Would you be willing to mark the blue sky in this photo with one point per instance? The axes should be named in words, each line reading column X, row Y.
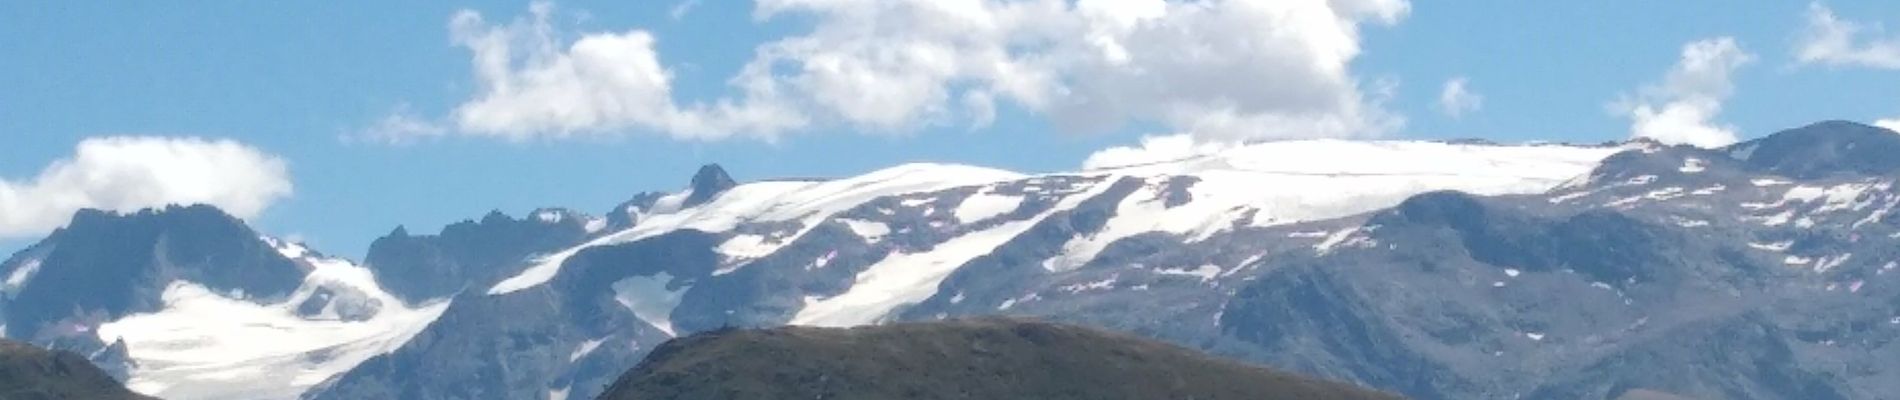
column 308, row 84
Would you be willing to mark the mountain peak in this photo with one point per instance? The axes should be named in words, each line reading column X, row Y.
column 88, row 218
column 709, row 182
column 120, row 263
column 1821, row 149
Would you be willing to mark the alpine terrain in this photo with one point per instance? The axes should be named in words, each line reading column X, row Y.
column 1433, row 270
column 31, row 373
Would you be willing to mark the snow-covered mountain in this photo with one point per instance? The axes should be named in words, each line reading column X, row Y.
column 188, row 303
column 1436, row 270
column 915, row 241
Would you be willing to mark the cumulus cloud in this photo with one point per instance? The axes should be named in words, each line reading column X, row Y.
column 1891, row 124
column 1455, row 100
column 1216, row 69
column 1830, row 41
column 1153, row 149
column 603, row 82
column 132, row 173
column 1682, row 108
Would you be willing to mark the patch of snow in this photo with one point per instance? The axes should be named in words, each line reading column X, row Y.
column 1836, row 198
column 21, row 275
column 584, row 349
column 650, row 299
column 203, row 345
column 1641, row 180
column 1773, row 220
column 1709, row 190
column 746, row 246
column 1334, row 240
column 866, row 229
column 1244, row 264
column 1534, row 336
column 670, row 203
column 1205, row 272
column 1765, row 182
column 1663, row 194
column 1104, row 284
column 1601, row 285
column 1828, row 263
column 1689, row 223
column 985, row 205
column 1497, row 284
column 1796, row 260
column 957, row 299
column 1776, row 246
column 1571, row 196
column 1511, row 272
column 1308, row 235
column 1855, row 287
column 550, row 216
column 1693, row 165
column 595, row 225
column 559, row 394
column 822, row 261
column 1286, row 182
column 1010, row 303
column 902, row 278
column 1879, row 214
column 773, row 201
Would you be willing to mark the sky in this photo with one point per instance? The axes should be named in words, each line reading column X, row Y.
column 335, row 122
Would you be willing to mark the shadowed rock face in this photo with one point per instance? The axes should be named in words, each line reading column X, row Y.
column 960, row 359
column 709, row 182
column 115, row 264
column 1829, row 148
column 32, row 373
column 467, row 254
column 104, row 265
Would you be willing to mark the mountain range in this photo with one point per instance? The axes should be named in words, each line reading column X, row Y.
column 1435, row 270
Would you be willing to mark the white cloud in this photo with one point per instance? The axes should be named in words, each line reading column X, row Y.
column 1682, row 108
column 1455, row 100
column 1891, row 124
column 680, row 10
column 400, row 126
column 1218, row 69
column 600, row 83
column 132, row 173
column 1831, row 41
column 1153, row 149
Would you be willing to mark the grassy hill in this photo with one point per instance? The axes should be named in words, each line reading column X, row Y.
column 961, row 359
column 32, row 373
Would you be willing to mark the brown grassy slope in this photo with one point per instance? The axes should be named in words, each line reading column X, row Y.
column 32, row 373
column 964, row 359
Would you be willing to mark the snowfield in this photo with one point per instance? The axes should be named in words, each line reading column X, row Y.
column 805, row 202
column 206, row 345
column 1263, row 184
